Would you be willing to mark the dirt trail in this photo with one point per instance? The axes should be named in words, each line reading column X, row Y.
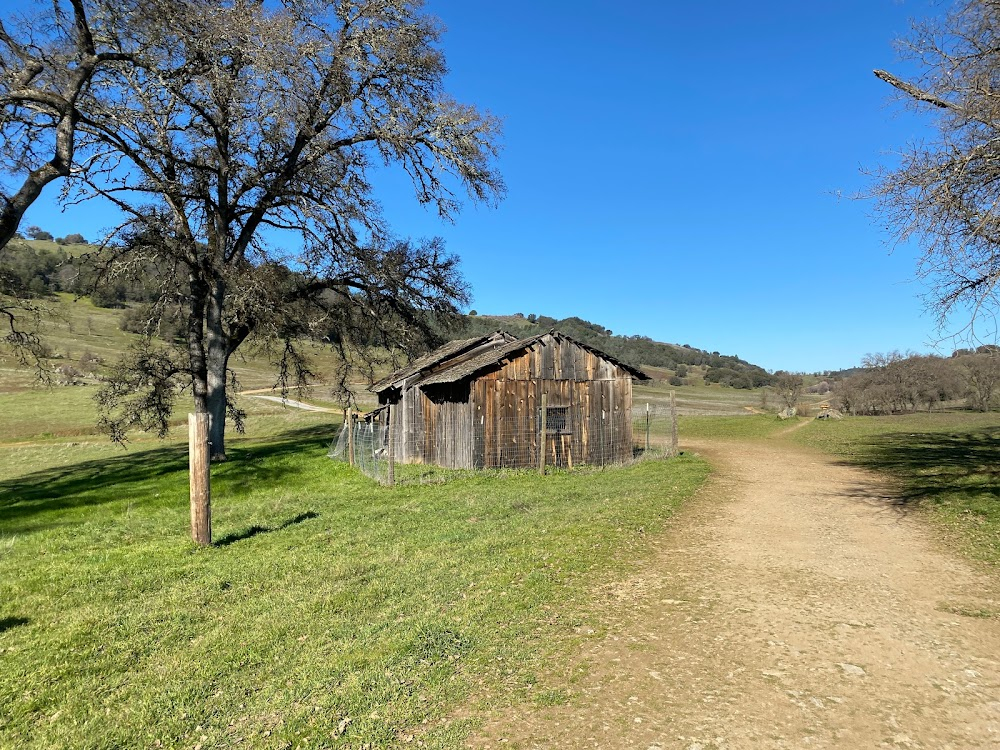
column 791, row 606
column 291, row 403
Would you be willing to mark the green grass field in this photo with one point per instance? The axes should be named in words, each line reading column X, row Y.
column 749, row 427
column 330, row 612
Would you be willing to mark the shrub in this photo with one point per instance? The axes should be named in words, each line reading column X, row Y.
column 135, row 319
column 89, row 361
column 140, row 319
column 108, row 295
column 37, row 233
column 69, row 375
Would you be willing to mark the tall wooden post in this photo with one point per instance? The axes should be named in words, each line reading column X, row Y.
column 201, row 487
column 350, row 436
column 647, row 427
column 391, row 474
column 674, row 448
column 543, row 423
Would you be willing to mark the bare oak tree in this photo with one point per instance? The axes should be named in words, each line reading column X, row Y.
column 945, row 192
column 788, row 386
column 894, row 383
column 47, row 62
column 982, row 375
column 242, row 145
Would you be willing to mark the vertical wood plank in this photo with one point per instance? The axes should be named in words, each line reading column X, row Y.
column 543, row 418
column 673, row 424
column 200, row 479
column 391, row 472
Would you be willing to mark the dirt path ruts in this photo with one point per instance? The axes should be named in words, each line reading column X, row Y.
column 792, row 605
column 291, row 403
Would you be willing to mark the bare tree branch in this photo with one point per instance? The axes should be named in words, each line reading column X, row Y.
column 911, row 90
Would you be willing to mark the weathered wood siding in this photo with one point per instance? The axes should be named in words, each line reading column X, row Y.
column 558, row 359
column 434, row 426
column 506, row 403
column 447, row 434
column 492, row 420
column 506, row 422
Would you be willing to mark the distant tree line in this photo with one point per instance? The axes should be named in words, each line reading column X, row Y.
column 895, row 383
column 37, row 233
column 36, row 270
column 39, row 270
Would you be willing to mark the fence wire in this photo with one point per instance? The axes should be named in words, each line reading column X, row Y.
column 557, row 440
column 369, row 449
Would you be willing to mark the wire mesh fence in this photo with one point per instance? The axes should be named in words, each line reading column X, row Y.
column 363, row 441
column 392, row 449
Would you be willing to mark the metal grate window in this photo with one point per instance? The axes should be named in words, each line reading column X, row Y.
column 557, row 420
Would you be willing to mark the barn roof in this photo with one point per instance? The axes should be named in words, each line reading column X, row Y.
column 451, row 350
column 469, row 367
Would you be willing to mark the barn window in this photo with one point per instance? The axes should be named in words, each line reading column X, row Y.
column 557, row 420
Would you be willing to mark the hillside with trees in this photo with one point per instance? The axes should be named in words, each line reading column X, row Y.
column 727, row 370
column 37, row 268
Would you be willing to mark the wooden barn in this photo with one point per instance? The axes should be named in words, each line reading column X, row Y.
column 477, row 403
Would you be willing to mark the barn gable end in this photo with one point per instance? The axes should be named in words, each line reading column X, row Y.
column 478, row 404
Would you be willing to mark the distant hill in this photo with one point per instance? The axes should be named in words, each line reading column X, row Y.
column 641, row 351
column 40, row 267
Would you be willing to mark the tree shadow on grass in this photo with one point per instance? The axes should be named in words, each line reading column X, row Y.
column 8, row 623
column 27, row 502
column 253, row 531
column 933, row 467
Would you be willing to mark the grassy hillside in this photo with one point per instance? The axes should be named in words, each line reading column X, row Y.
column 82, row 335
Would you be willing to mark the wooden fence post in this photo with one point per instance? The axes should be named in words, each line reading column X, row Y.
column 200, row 478
column 350, row 436
column 543, row 422
column 674, row 448
column 391, row 478
column 647, row 427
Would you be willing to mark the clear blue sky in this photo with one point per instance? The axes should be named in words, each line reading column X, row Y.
column 674, row 169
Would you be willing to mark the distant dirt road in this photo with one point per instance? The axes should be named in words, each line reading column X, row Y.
column 292, row 403
column 792, row 605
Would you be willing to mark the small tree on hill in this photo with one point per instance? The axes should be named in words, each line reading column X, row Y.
column 788, row 387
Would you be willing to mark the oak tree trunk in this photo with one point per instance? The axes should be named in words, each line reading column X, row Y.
column 208, row 352
column 216, row 365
